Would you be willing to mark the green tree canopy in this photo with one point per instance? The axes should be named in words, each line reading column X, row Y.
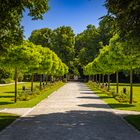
column 44, row 37
column 11, row 11
column 126, row 17
column 64, row 44
column 87, row 45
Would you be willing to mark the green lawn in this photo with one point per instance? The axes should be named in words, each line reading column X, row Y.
column 136, row 90
column 7, row 95
column 134, row 120
column 6, row 119
column 115, row 104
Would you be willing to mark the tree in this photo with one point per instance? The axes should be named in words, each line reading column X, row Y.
column 21, row 61
column 105, row 30
column 116, row 57
column 32, row 69
column 44, row 37
column 126, row 17
column 64, row 43
column 87, row 45
column 132, row 61
column 60, row 40
column 11, row 11
column 64, row 40
column 46, row 64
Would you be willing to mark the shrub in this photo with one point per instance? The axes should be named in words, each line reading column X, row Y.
column 2, row 81
column 122, row 98
column 65, row 80
column 6, row 81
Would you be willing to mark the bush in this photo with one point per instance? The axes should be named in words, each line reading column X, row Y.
column 2, row 81
column 65, row 80
column 122, row 98
column 6, row 81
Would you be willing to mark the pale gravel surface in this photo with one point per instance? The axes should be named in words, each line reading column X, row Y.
column 71, row 113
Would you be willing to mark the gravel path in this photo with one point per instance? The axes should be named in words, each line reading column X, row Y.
column 71, row 113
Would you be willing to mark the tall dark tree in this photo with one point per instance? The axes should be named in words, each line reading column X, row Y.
column 87, row 44
column 11, row 12
column 126, row 17
column 106, row 29
column 64, row 42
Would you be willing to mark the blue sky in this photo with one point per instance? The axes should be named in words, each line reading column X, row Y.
column 75, row 13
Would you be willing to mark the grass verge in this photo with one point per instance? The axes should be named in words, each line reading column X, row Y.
column 134, row 120
column 7, row 95
column 6, row 119
column 114, row 103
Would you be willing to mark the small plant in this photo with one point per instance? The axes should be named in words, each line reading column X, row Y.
column 122, row 98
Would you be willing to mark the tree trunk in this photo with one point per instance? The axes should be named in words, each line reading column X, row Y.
column 32, row 82
column 46, row 79
column 103, row 79
column 93, row 78
column 117, row 82
column 96, row 77
column 99, row 79
column 42, row 77
column 52, row 79
column 16, row 81
column 131, row 85
column 40, row 81
column 108, row 77
column 88, row 78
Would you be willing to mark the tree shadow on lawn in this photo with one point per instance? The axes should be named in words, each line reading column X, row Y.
column 6, row 120
column 8, row 96
column 9, row 92
column 6, row 103
column 76, row 125
column 106, row 97
column 120, row 105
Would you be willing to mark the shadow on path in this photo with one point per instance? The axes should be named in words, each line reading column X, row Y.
column 91, row 97
column 71, row 125
column 105, row 106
